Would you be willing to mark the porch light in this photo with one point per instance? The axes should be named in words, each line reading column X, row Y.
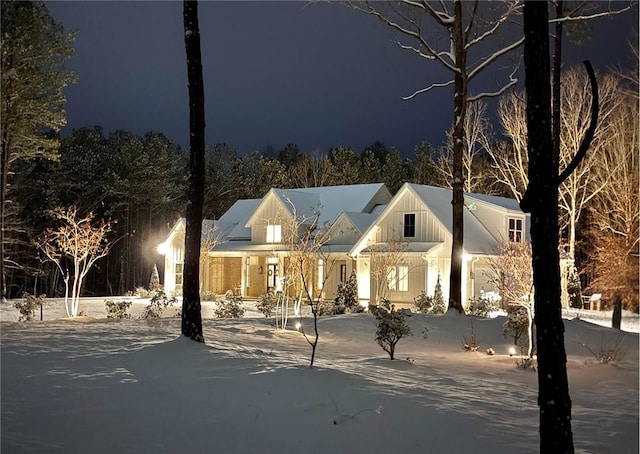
column 162, row 248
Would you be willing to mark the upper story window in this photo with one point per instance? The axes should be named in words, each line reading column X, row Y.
column 515, row 230
column 409, row 225
column 274, row 233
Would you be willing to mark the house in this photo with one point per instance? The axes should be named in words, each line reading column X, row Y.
column 418, row 224
column 246, row 250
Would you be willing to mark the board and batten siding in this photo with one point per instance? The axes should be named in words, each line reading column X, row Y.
column 428, row 228
column 271, row 213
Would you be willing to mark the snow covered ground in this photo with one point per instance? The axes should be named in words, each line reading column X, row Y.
column 95, row 385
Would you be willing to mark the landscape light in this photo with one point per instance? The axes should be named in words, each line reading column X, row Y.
column 512, row 351
column 298, row 326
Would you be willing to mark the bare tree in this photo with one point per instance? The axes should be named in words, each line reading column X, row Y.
column 384, row 257
column 541, row 200
column 77, row 239
column 477, row 139
column 311, row 171
column 463, row 54
column 510, row 164
column 191, row 310
column 615, row 210
column 305, row 238
column 510, row 271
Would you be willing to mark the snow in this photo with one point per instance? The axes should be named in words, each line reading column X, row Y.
column 136, row 386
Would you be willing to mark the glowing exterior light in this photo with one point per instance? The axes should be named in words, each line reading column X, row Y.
column 512, row 351
column 162, row 248
column 298, row 326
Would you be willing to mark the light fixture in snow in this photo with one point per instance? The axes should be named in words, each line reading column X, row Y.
column 512, row 351
column 298, row 326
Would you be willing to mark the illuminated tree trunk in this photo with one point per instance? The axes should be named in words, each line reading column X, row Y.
column 191, row 313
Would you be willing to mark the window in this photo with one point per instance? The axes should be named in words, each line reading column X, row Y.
column 343, row 273
column 274, row 233
column 398, row 278
column 179, row 275
column 515, row 230
column 409, row 225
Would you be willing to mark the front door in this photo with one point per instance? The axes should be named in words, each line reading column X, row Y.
column 272, row 276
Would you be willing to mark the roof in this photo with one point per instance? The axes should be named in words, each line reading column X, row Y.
column 502, row 202
column 330, row 201
column 231, row 226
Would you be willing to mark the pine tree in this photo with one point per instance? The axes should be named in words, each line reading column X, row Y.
column 574, row 288
column 33, row 49
column 438, row 299
column 154, row 282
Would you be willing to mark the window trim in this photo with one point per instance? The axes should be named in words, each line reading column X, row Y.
column 274, row 233
column 409, row 228
column 515, row 234
column 398, row 278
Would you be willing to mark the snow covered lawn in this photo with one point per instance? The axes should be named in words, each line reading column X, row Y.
column 135, row 386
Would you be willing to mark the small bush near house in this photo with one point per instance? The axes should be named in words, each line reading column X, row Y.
column 117, row 309
column 609, row 351
column 391, row 326
column 574, row 289
column 267, row 304
column 517, row 323
column 142, row 292
column 208, row 296
column 481, row 307
column 229, row 306
column 346, row 300
column 159, row 302
column 29, row 306
column 431, row 304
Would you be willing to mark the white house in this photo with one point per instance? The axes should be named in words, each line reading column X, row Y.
column 245, row 251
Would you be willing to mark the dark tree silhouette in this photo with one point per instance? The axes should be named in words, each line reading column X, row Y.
column 541, row 199
column 191, row 314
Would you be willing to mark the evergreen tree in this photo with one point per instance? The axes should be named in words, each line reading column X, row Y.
column 154, row 282
column 574, row 288
column 439, row 306
column 34, row 49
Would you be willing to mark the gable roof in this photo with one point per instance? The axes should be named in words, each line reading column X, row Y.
column 330, row 201
column 477, row 239
column 231, row 225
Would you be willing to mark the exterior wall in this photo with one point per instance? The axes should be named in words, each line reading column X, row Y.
column 271, row 213
column 342, row 232
column 496, row 221
column 428, row 228
column 221, row 274
column 174, row 258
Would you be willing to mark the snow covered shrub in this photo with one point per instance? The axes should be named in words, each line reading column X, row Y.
column 229, row 306
column 267, row 303
column 328, row 308
column 517, row 323
column 154, row 280
column 208, row 296
column 142, row 292
column 346, row 300
column 431, row 304
column 574, row 288
column 391, row 326
column 609, row 351
column 481, row 306
column 117, row 309
column 29, row 306
column 159, row 302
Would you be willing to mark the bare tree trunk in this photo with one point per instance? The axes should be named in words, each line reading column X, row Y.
column 541, row 199
column 3, row 200
column 459, row 110
column 191, row 313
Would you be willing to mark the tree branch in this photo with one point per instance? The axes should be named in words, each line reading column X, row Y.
column 588, row 138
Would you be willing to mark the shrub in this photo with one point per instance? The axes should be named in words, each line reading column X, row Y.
column 574, row 289
column 609, row 351
column 517, row 323
column 328, row 308
column 154, row 280
column 229, row 306
column 208, row 296
column 391, row 326
column 482, row 306
column 267, row 303
column 142, row 292
column 29, row 306
column 431, row 304
column 347, row 296
column 117, row 309
column 159, row 302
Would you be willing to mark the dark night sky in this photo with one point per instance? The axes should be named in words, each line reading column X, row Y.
column 316, row 75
